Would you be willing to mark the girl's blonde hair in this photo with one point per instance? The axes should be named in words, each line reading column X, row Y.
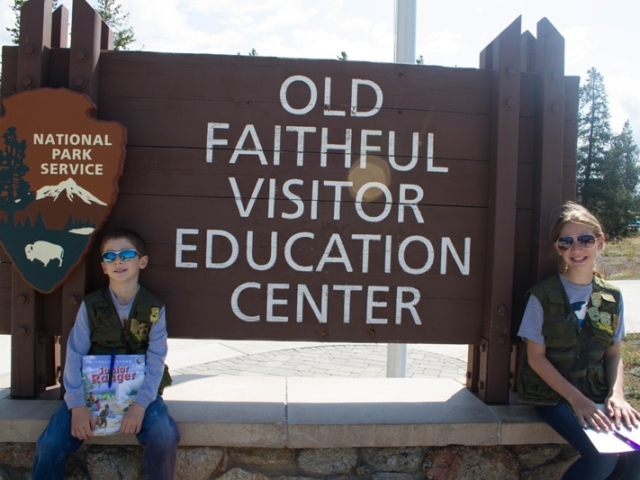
column 572, row 212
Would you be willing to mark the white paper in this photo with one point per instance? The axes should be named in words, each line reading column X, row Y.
column 607, row 442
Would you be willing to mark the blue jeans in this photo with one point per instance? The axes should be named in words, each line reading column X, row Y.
column 591, row 465
column 159, row 434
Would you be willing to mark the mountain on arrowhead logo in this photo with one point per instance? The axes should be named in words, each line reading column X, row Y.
column 59, row 172
column 71, row 189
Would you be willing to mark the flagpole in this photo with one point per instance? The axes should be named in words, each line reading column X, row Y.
column 405, row 52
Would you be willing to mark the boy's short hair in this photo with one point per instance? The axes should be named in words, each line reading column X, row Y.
column 135, row 239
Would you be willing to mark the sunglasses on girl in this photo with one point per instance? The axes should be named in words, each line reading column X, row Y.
column 128, row 254
column 585, row 241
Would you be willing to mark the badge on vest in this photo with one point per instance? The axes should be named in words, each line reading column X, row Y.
column 140, row 330
column 602, row 320
column 154, row 316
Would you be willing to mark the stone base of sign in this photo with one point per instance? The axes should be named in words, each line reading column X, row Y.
column 277, row 427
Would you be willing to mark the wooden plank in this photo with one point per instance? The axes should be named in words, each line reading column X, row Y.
column 5, row 297
column 183, row 172
column 183, row 124
column 60, row 28
column 495, row 348
column 28, row 345
column 28, row 354
column 34, row 44
column 549, row 152
column 257, row 80
column 85, row 49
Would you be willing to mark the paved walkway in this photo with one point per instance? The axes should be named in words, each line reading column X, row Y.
column 343, row 360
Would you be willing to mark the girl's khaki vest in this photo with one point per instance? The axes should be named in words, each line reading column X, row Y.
column 578, row 354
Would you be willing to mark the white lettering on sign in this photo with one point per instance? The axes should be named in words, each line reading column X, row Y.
column 248, row 146
column 71, row 169
column 279, row 295
column 246, row 201
column 71, row 139
column 355, row 110
column 343, row 203
column 69, row 148
column 296, row 252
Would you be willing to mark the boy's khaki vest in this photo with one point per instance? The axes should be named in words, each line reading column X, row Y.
column 107, row 333
column 576, row 353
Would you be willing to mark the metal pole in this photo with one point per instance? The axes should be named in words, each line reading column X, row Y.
column 405, row 32
column 405, row 52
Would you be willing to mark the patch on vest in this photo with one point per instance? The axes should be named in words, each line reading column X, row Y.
column 603, row 320
column 154, row 316
column 140, row 330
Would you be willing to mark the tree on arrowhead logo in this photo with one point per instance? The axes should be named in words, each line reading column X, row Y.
column 59, row 172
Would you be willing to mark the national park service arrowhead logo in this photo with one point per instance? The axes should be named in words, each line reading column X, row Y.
column 59, row 172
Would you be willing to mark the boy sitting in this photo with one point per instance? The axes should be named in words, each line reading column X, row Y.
column 104, row 325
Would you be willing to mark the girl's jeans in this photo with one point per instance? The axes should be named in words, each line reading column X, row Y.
column 159, row 434
column 591, row 465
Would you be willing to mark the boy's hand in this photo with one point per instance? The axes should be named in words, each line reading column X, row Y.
column 82, row 423
column 132, row 420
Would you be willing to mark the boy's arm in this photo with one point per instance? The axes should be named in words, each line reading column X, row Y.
column 154, row 364
column 78, row 345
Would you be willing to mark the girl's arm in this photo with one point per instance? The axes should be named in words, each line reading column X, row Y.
column 584, row 409
column 617, row 407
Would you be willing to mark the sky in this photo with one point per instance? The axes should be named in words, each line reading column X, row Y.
column 598, row 33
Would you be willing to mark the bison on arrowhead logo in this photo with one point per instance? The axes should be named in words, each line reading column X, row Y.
column 59, row 172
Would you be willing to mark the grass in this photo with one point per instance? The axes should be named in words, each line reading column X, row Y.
column 631, row 356
column 621, row 261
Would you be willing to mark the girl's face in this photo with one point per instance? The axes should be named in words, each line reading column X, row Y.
column 581, row 256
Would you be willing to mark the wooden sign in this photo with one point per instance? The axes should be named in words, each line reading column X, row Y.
column 58, row 181
column 287, row 199
column 307, row 199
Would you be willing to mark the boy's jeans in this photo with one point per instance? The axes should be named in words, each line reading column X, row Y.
column 159, row 434
column 591, row 465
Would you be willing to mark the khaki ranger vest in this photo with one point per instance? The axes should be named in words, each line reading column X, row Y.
column 107, row 333
column 576, row 353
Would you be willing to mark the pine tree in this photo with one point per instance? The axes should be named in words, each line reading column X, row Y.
column 594, row 135
column 111, row 13
column 608, row 170
column 619, row 196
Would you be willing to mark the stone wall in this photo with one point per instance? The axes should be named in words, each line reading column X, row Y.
column 518, row 462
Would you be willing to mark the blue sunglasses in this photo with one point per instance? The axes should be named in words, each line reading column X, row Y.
column 128, row 254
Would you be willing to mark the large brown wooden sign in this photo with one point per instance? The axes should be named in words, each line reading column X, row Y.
column 325, row 200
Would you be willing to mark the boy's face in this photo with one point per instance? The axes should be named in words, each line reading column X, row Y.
column 122, row 271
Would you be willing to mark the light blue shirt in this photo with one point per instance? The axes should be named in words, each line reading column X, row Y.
column 79, row 344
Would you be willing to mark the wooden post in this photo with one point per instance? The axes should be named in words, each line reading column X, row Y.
column 548, row 157
column 83, row 76
column 503, row 56
column 28, row 343
column 85, row 49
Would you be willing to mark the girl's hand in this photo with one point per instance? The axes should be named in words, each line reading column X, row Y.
column 620, row 412
column 588, row 414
